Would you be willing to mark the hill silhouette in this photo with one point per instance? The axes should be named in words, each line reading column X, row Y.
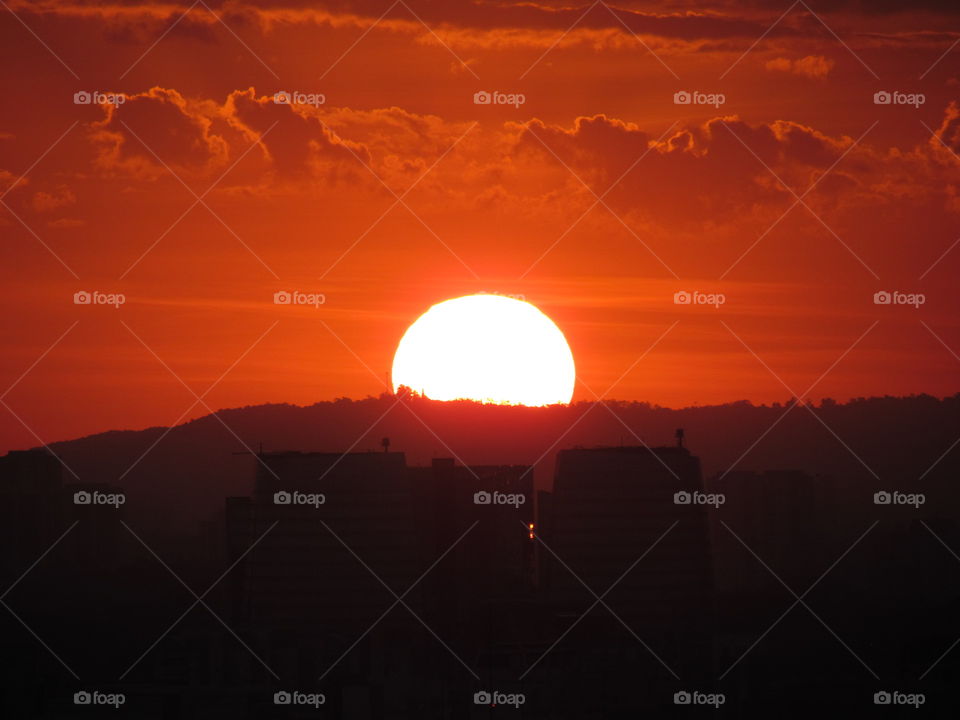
column 177, row 476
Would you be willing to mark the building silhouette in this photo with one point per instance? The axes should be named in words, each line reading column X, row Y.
column 32, row 509
column 337, row 537
column 601, row 597
column 608, row 506
column 627, row 522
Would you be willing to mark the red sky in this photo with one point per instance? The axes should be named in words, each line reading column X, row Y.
column 493, row 198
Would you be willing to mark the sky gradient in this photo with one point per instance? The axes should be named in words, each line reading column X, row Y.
column 598, row 199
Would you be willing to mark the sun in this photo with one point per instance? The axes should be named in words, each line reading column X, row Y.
column 488, row 348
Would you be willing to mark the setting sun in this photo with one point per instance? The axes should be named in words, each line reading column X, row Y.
column 488, row 348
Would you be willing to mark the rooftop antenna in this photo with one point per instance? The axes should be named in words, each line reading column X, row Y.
column 679, row 435
column 386, row 444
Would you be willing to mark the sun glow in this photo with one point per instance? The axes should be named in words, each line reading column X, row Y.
column 487, row 348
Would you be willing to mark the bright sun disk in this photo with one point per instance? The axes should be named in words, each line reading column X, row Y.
column 488, row 348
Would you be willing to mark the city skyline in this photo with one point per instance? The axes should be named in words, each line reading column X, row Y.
column 425, row 359
column 634, row 583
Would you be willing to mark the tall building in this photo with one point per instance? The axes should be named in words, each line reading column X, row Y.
column 308, row 589
column 481, row 589
column 32, row 509
column 330, row 514
column 609, row 507
column 494, row 506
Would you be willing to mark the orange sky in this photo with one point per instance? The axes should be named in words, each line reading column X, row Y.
column 492, row 198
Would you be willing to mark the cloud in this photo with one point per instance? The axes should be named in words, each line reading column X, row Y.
column 860, row 7
column 66, row 223
column 949, row 131
column 295, row 137
column 726, row 172
column 463, row 24
column 162, row 128
column 815, row 67
column 719, row 172
column 158, row 128
column 43, row 201
column 7, row 179
column 701, row 172
column 670, row 29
